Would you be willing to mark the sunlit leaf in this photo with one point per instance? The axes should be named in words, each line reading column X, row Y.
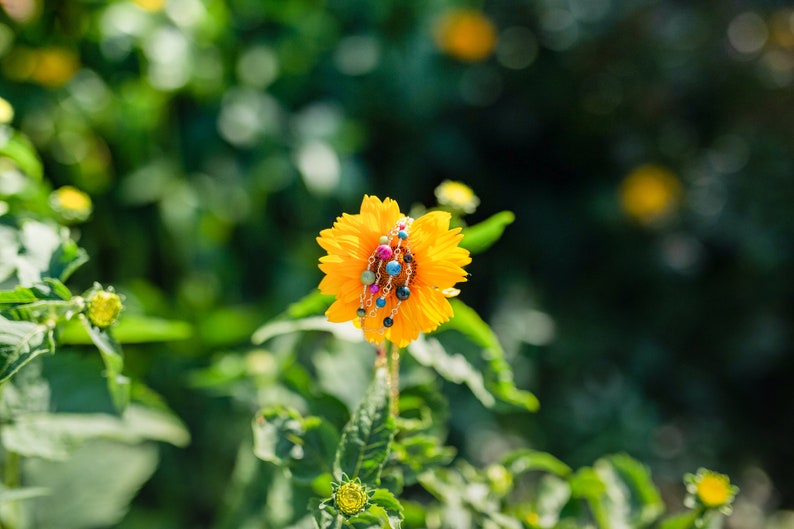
column 498, row 377
column 311, row 304
column 131, row 328
column 21, row 342
column 23, row 493
column 18, row 148
column 346, row 332
column 529, row 460
column 390, row 505
column 481, row 236
column 366, row 439
column 552, row 495
column 110, row 351
column 304, row 446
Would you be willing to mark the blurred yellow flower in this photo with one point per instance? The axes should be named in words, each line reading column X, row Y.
column 649, row 193
column 71, row 203
column 6, row 111
column 457, row 195
column 150, row 5
column 389, row 272
column 55, row 66
column 465, row 34
column 103, row 308
column 710, row 489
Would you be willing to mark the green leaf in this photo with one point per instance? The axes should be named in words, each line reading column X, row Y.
column 24, row 493
column 48, row 289
column 56, row 436
column 94, row 487
column 498, row 376
column 420, row 453
column 310, row 305
column 21, row 342
column 366, row 439
column 303, row 446
column 480, row 237
column 453, row 367
column 630, row 481
column 110, row 351
column 18, row 148
column 132, row 328
column 315, row 323
column 527, row 460
column 48, row 252
column 684, row 520
column 277, row 435
column 392, row 510
column 619, row 492
column 552, row 495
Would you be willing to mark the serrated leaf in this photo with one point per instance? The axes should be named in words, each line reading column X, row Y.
column 392, row 510
column 18, row 296
column 21, row 342
column 498, row 376
column 481, row 236
column 366, row 439
column 304, row 446
column 277, row 435
column 527, row 460
column 110, row 351
column 18, row 148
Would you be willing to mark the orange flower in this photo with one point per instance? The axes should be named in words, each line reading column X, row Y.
column 389, row 272
column 466, row 34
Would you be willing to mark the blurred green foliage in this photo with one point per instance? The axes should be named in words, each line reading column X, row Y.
column 216, row 139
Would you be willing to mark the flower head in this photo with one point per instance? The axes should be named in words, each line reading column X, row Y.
column 711, row 490
column 351, row 497
column 389, row 272
column 103, row 308
column 71, row 203
column 457, row 196
column 650, row 193
column 465, row 34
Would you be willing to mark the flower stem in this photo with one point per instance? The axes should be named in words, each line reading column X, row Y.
column 394, row 380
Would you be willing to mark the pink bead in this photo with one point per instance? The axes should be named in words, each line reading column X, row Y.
column 383, row 252
column 374, row 288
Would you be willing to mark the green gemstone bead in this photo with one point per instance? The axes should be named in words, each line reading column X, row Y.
column 367, row 277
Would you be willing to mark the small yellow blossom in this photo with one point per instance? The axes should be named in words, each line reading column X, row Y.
column 54, row 67
column 465, row 34
column 457, row 195
column 71, row 203
column 532, row 519
column 6, row 111
column 152, row 6
column 351, row 497
column 710, row 489
column 650, row 193
column 103, row 308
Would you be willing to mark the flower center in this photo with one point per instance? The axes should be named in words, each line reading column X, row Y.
column 713, row 490
column 390, row 271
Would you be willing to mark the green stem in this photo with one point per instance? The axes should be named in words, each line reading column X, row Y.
column 394, row 380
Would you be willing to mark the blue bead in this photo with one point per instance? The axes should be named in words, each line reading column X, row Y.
column 402, row 234
column 393, row 268
column 388, row 322
column 361, row 312
column 380, row 302
column 402, row 293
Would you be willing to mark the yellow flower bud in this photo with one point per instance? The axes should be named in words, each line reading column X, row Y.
column 351, row 498
column 103, row 308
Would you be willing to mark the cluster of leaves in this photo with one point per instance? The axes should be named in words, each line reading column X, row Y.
column 66, row 436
